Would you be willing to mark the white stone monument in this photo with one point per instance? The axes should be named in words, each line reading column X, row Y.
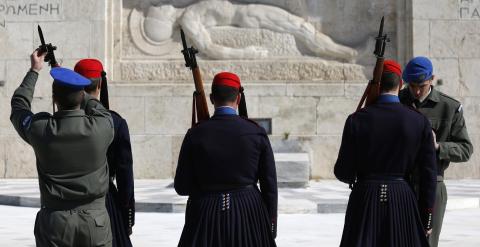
column 296, row 59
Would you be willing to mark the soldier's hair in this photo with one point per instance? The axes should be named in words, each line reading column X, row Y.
column 224, row 94
column 93, row 86
column 67, row 98
column 389, row 81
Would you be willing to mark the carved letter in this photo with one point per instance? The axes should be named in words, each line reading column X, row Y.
column 32, row 9
column 12, row 8
column 22, row 9
column 54, row 8
column 42, row 8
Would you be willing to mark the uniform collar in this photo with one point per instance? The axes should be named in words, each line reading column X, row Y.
column 388, row 98
column 225, row 110
column 422, row 99
column 69, row 113
column 434, row 95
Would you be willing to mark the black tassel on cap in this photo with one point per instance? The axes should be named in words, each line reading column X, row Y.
column 242, row 107
column 104, row 91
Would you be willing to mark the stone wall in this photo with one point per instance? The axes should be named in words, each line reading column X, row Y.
column 450, row 35
column 308, row 98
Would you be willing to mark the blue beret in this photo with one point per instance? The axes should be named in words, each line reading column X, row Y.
column 418, row 70
column 69, row 78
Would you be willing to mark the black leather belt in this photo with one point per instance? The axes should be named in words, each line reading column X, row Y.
column 381, row 178
column 226, row 188
column 95, row 204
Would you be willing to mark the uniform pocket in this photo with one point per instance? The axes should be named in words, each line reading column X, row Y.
column 100, row 231
column 101, row 220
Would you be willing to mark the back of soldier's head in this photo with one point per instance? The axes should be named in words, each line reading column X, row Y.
column 67, row 88
column 223, row 95
column 225, row 88
column 67, row 98
column 391, row 76
column 389, row 82
column 94, row 86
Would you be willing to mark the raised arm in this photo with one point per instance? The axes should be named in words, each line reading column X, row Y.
column 21, row 115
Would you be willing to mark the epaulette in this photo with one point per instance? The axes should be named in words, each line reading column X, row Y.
column 115, row 113
column 363, row 109
column 449, row 97
column 359, row 110
column 457, row 107
column 41, row 115
column 251, row 121
column 198, row 123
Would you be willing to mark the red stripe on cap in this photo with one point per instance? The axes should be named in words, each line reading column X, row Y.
column 226, row 79
column 90, row 68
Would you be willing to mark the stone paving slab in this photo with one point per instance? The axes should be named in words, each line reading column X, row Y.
column 326, row 196
column 460, row 228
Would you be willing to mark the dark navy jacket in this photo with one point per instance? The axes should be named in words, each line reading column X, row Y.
column 120, row 163
column 388, row 138
column 227, row 152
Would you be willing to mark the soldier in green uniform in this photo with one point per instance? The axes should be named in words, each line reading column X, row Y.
column 451, row 139
column 70, row 148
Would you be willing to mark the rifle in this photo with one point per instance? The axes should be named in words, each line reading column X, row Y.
column 199, row 107
column 48, row 48
column 50, row 57
column 373, row 88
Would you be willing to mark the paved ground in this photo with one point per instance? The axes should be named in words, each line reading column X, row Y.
column 461, row 228
column 326, row 196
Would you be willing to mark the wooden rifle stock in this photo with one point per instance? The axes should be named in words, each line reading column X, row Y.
column 377, row 77
column 199, row 107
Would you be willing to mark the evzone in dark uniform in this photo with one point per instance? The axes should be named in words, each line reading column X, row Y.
column 70, row 148
column 221, row 160
column 381, row 145
column 120, row 200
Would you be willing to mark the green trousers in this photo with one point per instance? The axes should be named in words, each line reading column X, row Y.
column 438, row 213
column 59, row 228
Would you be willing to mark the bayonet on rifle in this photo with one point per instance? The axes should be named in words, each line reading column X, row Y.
column 47, row 48
column 381, row 41
column 188, row 53
column 373, row 88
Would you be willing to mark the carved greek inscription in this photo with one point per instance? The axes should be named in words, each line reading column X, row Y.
column 27, row 10
column 469, row 9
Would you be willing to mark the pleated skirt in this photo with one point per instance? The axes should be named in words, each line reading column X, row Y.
column 383, row 213
column 120, row 235
column 235, row 219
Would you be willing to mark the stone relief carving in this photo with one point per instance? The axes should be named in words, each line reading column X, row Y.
column 154, row 31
